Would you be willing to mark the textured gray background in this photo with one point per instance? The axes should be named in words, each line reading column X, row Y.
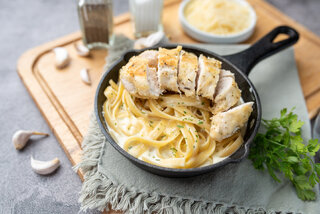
column 26, row 24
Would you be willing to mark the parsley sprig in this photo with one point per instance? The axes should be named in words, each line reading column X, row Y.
column 281, row 149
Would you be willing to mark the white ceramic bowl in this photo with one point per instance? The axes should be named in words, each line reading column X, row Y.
column 215, row 38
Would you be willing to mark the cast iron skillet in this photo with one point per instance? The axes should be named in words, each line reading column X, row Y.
column 240, row 64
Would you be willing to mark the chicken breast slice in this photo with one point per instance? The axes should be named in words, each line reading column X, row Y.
column 225, row 124
column 226, row 73
column 227, row 94
column 209, row 70
column 168, row 68
column 152, row 78
column 134, row 78
column 151, row 56
column 152, row 73
column 187, row 73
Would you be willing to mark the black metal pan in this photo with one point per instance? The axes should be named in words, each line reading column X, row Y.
column 240, row 64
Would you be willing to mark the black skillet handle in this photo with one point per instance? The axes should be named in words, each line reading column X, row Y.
column 247, row 59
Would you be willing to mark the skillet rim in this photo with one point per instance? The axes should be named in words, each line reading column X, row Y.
column 175, row 172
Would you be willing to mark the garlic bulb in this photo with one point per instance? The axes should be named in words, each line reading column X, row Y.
column 44, row 167
column 61, row 57
column 21, row 137
column 82, row 50
column 84, row 74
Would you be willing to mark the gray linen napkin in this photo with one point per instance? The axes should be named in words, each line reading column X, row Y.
column 236, row 188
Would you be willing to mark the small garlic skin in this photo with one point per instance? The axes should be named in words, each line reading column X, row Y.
column 21, row 137
column 82, row 50
column 62, row 58
column 44, row 167
column 84, row 74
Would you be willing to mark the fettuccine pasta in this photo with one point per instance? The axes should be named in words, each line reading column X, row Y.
column 172, row 131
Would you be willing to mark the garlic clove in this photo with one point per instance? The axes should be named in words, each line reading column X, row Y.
column 44, row 167
column 61, row 57
column 21, row 137
column 82, row 50
column 84, row 74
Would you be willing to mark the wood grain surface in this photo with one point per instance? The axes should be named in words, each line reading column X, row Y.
column 66, row 102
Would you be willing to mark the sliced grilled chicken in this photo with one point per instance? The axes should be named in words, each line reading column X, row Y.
column 151, row 56
column 152, row 78
column 187, row 73
column 127, row 76
column 208, row 76
column 226, row 73
column 134, row 78
column 168, row 68
column 227, row 92
column 152, row 73
column 225, row 124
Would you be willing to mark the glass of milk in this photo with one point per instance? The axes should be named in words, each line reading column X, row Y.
column 146, row 16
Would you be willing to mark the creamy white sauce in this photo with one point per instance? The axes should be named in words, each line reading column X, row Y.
column 151, row 152
column 117, row 137
column 217, row 159
column 120, row 140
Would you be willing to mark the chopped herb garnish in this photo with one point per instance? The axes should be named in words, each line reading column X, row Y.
column 163, row 136
column 184, row 112
column 174, row 151
column 130, row 147
column 150, row 124
column 197, row 136
column 200, row 122
column 202, row 103
column 157, row 159
column 179, row 126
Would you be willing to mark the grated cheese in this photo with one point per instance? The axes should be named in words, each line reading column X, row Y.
column 222, row 17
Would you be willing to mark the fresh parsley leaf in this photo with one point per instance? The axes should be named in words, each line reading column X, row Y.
column 317, row 168
column 295, row 126
column 179, row 126
column 281, row 149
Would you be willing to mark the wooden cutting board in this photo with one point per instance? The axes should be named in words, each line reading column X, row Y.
column 66, row 102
